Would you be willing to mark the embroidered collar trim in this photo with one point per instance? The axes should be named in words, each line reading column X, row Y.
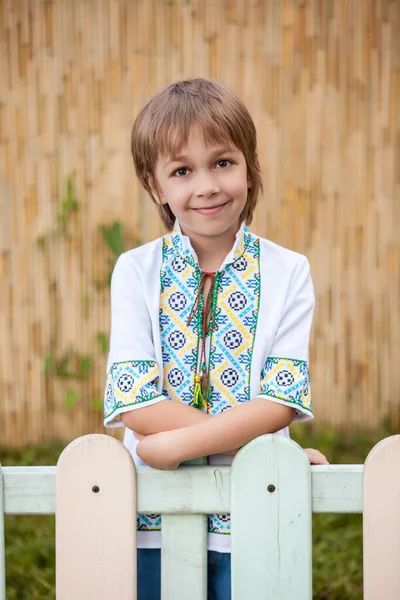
column 184, row 248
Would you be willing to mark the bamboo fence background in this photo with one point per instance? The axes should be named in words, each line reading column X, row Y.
column 321, row 79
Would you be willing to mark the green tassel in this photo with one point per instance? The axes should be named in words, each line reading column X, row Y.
column 198, row 400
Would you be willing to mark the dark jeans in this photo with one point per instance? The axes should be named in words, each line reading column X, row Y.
column 149, row 575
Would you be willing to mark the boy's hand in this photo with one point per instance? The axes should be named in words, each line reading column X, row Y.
column 158, row 450
column 316, row 457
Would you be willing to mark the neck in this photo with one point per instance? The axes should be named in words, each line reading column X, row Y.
column 211, row 252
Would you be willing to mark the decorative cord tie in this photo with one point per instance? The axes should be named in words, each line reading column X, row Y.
column 199, row 297
column 205, row 324
column 198, row 399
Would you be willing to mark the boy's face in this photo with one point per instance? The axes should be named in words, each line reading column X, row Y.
column 205, row 187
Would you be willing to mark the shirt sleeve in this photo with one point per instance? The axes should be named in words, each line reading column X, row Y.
column 132, row 378
column 285, row 377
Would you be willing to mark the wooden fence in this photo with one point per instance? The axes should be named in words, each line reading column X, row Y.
column 322, row 81
column 95, row 493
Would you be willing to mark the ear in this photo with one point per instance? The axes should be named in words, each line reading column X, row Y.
column 156, row 191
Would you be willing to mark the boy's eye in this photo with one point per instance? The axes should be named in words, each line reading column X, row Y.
column 181, row 172
column 222, row 164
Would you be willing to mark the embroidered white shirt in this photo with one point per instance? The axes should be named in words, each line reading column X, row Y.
column 262, row 315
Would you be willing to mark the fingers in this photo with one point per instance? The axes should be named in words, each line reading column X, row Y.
column 316, row 457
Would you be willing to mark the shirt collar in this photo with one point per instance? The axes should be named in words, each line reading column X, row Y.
column 184, row 247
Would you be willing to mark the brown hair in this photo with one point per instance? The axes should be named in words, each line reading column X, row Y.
column 163, row 125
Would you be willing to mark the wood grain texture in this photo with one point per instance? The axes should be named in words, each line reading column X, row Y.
column 89, row 543
column 322, row 82
column 381, row 521
column 271, row 521
column 31, row 490
column 184, row 557
column 95, row 521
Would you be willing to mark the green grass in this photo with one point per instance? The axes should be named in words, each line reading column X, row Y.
column 337, row 539
column 30, row 540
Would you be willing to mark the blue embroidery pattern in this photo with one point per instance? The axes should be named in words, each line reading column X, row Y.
column 232, row 342
column 287, row 380
column 128, row 384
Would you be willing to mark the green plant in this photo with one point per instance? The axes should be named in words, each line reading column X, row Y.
column 102, row 340
column 68, row 205
column 41, row 242
column 114, row 239
column 71, row 365
column 98, row 405
column 72, row 397
column 85, row 303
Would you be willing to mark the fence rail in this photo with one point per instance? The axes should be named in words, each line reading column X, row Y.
column 95, row 492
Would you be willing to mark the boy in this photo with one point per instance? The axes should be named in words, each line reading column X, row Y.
column 210, row 324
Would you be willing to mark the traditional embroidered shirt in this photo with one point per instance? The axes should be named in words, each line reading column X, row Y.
column 257, row 347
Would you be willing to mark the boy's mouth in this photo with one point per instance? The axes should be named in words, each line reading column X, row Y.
column 210, row 210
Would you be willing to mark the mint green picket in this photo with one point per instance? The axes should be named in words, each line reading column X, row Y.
column 271, row 521
column 184, row 557
column 2, row 550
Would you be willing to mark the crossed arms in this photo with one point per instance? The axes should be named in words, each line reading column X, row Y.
column 175, row 432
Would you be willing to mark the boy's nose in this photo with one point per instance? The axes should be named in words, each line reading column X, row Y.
column 205, row 187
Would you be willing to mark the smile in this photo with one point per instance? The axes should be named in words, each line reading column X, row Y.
column 211, row 210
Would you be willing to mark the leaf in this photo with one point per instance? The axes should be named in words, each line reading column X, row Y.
column 41, row 242
column 85, row 366
column 73, row 365
column 98, row 405
column 85, row 300
column 62, row 366
column 113, row 237
column 72, row 397
column 68, row 204
column 102, row 340
column 48, row 364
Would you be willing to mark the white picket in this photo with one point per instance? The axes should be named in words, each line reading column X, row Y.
column 184, row 557
column 381, row 521
column 95, row 521
column 271, row 521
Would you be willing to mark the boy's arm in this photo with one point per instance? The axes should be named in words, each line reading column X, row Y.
column 223, row 433
column 271, row 411
column 163, row 416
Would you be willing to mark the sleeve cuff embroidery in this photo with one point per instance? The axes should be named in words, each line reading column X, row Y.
column 129, row 384
column 287, row 380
